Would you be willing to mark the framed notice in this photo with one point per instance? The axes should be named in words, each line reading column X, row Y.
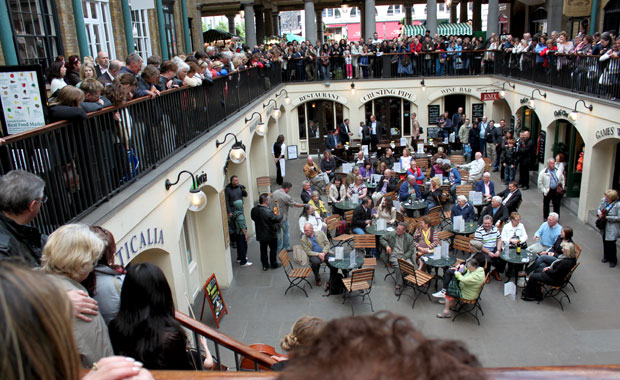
column 433, row 114
column 292, row 152
column 22, row 94
column 540, row 148
column 216, row 301
column 477, row 111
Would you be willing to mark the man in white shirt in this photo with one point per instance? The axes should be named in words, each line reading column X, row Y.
column 376, row 39
column 514, row 230
column 476, row 168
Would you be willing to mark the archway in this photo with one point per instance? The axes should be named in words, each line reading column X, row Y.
column 272, row 136
column 316, row 119
column 258, row 154
column 160, row 258
column 242, row 171
column 567, row 142
column 393, row 112
column 212, row 232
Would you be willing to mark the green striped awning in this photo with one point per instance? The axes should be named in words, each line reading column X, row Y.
column 458, row 29
column 414, row 30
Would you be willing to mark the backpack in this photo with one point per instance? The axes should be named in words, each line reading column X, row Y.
column 335, row 284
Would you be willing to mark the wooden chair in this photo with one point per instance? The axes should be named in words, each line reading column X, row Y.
column 456, row 159
column 348, row 217
column 263, row 185
column 434, row 215
column 295, row 276
column 415, row 279
column 553, row 291
column 487, row 164
column 366, row 242
column 444, row 235
column 461, row 244
column 463, row 190
column 464, row 175
column 470, row 307
column 361, row 281
column 422, row 163
column 400, row 217
column 578, row 249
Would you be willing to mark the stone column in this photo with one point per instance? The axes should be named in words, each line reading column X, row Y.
column 476, row 18
column 275, row 19
column 231, row 24
column 493, row 18
column 554, row 16
column 431, row 16
column 250, row 29
column 200, row 40
column 408, row 17
column 463, row 13
column 453, row 12
column 319, row 25
column 369, row 19
column 362, row 11
column 310, row 23
column 268, row 22
column 260, row 24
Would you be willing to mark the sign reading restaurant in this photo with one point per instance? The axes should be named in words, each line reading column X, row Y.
column 388, row 92
column 319, row 95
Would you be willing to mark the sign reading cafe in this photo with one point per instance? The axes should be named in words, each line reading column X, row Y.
column 148, row 238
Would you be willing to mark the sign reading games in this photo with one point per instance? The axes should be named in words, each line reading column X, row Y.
column 319, row 95
column 388, row 92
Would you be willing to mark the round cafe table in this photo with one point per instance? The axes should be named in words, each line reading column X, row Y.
column 470, row 228
column 518, row 261
column 370, row 186
column 372, row 229
column 414, row 206
column 346, row 205
column 345, row 263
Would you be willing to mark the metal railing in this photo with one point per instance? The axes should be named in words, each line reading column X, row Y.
column 85, row 163
column 579, row 73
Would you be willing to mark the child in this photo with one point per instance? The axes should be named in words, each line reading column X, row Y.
column 348, row 60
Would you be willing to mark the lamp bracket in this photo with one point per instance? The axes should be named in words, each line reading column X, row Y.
column 169, row 184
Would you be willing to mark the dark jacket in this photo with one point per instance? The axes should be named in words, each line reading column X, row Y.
column 509, row 156
column 360, row 216
column 403, row 192
column 480, row 187
column 344, row 133
column 328, row 165
column 95, row 106
column 391, row 185
column 389, row 161
column 468, row 213
column 558, row 270
column 514, row 202
column 265, row 222
column 501, row 214
column 474, row 138
column 331, row 142
column 365, row 134
column 72, row 78
column 233, row 194
column 526, row 151
column 305, row 197
column 60, row 112
column 494, row 135
column 432, row 196
column 105, row 79
column 20, row 243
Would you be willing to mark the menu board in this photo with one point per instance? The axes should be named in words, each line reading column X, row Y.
column 216, row 302
column 22, row 93
column 542, row 140
column 433, row 114
column 477, row 111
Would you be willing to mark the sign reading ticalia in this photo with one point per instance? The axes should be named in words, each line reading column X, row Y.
column 149, row 238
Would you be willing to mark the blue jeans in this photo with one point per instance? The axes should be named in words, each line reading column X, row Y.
column 453, row 192
column 509, row 173
column 358, row 231
column 541, row 263
column 324, row 72
column 430, row 206
column 483, row 147
column 283, row 236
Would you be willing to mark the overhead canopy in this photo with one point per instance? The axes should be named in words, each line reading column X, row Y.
column 458, row 29
column 216, row 35
column 293, row 37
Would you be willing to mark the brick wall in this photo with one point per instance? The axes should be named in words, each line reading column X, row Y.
column 118, row 30
column 67, row 27
column 154, row 32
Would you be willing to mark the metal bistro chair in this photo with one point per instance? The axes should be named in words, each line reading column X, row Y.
column 415, row 279
column 361, row 281
column 553, row 291
column 295, row 276
column 471, row 307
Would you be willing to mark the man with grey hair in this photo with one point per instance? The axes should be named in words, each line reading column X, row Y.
column 496, row 210
column 491, row 240
column 551, row 184
column 315, row 175
column 486, row 186
column 547, row 234
column 21, row 197
column 134, row 66
column 464, row 209
column 398, row 245
column 476, row 168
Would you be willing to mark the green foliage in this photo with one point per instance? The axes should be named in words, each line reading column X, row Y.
column 240, row 29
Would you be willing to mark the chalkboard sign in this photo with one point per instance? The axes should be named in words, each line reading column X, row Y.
column 477, row 111
column 216, row 301
column 433, row 114
column 540, row 151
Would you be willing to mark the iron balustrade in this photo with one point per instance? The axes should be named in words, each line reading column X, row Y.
column 84, row 163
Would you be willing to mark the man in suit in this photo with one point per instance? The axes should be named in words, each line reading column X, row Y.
column 102, row 63
column 496, row 210
column 376, row 131
column 485, row 186
column 107, row 77
column 332, row 140
column 511, row 197
column 265, row 222
column 525, row 151
column 362, row 216
column 386, row 184
column 344, row 132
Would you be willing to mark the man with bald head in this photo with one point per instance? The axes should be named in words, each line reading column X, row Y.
column 103, row 63
column 316, row 246
column 315, row 175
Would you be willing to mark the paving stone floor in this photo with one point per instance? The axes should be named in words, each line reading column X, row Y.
column 512, row 333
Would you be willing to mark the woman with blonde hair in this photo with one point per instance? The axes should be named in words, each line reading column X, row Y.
column 609, row 224
column 551, row 275
column 44, row 348
column 87, row 70
column 69, row 256
column 302, row 333
column 433, row 195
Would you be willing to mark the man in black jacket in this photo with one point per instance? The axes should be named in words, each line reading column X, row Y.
column 386, row 184
column 233, row 192
column 511, row 197
column 362, row 216
column 526, row 151
column 344, row 132
column 265, row 223
column 21, row 197
column 494, row 138
column 497, row 210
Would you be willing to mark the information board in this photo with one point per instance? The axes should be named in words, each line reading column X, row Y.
column 433, row 114
column 477, row 111
column 22, row 94
column 216, row 301
column 540, row 151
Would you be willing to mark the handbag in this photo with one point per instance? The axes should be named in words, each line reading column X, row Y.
column 601, row 223
column 454, row 290
column 560, row 190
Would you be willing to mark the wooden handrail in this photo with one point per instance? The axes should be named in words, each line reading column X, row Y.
column 224, row 340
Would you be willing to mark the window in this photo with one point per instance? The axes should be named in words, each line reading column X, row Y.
column 99, row 27
column 141, row 35
column 187, row 230
column 396, row 9
column 391, row 111
column 171, row 39
column 324, row 13
column 390, row 11
column 353, row 12
column 330, row 12
column 35, row 31
column 337, row 13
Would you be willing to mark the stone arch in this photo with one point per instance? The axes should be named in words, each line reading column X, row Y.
column 271, row 137
column 161, row 258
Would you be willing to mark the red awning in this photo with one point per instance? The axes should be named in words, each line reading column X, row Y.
column 388, row 29
column 354, row 32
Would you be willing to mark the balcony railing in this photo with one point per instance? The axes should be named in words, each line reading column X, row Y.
column 85, row 163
